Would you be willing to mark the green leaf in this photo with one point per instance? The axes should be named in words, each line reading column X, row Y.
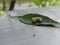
column 46, row 21
column 43, row 4
column 37, row 2
column 0, row 8
column 54, row 4
column 57, row 0
column 50, row 1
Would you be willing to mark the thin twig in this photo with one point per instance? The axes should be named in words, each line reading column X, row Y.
column 12, row 4
column 3, row 5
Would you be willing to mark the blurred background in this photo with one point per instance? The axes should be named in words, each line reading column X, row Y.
column 5, row 4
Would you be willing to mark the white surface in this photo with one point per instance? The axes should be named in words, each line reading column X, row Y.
column 13, row 32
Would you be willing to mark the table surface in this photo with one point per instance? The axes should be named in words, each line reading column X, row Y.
column 13, row 32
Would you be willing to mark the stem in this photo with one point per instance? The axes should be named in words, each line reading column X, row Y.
column 12, row 4
column 3, row 5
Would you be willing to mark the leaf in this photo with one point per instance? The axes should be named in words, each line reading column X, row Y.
column 43, row 4
column 57, row 0
column 50, row 1
column 37, row 2
column 54, row 4
column 0, row 8
column 46, row 21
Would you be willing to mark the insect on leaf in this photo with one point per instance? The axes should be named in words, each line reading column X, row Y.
column 46, row 21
